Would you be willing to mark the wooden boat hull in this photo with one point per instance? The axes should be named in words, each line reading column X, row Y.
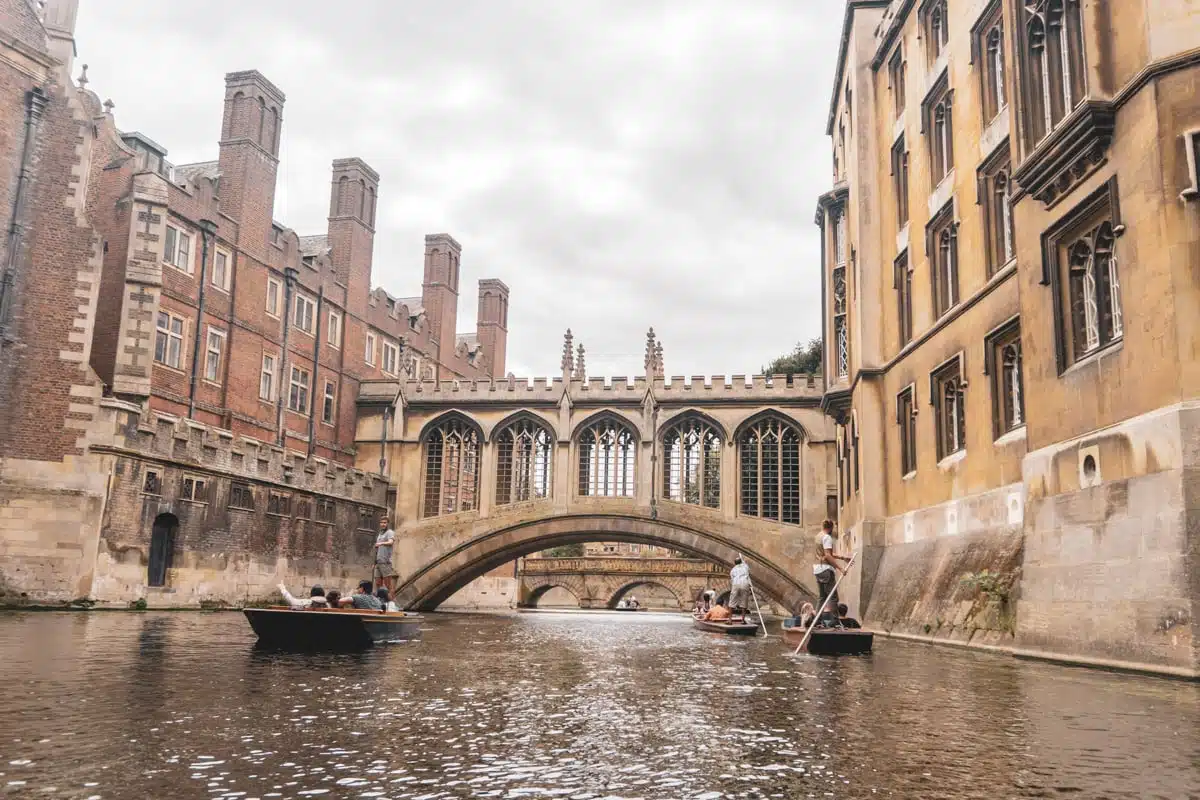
column 347, row 629
column 629, row 609
column 728, row 628
column 832, row 641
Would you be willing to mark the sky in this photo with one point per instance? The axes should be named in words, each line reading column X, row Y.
column 620, row 164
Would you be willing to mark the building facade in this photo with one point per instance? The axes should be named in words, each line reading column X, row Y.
column 1009, row 251
column 178, row 371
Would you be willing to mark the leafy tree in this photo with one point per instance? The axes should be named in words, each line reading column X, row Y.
column 803, row 360
column 564, row 551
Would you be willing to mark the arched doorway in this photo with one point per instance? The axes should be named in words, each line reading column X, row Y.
column 162, row 548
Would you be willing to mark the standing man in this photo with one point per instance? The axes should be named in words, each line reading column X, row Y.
column 739, row 587
column 384, row 573
column 825, row 569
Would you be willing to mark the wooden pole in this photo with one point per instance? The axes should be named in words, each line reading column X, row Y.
column 821, row 610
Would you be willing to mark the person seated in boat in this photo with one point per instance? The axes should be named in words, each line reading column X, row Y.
column 847, row 621
column 633, row 602
column 385, row 599
column 363, row 599
column 316, row 598
column 333, row 598
column 807, row 612
column 718, row 613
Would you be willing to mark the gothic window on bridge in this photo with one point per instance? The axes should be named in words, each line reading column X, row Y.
column 770, row 471
column 692, row 464
column 524, row 451
column 451, row 469
column 607, row 450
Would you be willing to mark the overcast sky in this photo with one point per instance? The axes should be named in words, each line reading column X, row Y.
column 618, row 163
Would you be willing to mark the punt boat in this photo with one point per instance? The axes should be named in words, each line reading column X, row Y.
column 830, row 641
column 730, row 628
column 330, row 629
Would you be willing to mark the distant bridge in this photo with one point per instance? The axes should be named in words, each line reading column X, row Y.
column 487, row 472
column 602, row 582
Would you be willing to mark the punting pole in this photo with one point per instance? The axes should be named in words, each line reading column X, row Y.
column 758, row 608
column 821, row 610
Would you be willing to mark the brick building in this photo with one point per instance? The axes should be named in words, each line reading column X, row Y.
column 179, row 372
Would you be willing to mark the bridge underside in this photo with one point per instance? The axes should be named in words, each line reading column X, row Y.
column 606, row 591
column 433, row 583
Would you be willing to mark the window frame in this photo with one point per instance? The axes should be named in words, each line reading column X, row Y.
column 277, row 294
column 222, row 337
column 194, row 479
column 997, row 340
column 900, row 182
column 453, row 427
column 224, row 284
column 157, row 474
column 953, row 369
column 180, row 241
column 279, row 504
column 1044, row 85
column 939, row 134
column 371, row 347
column 761, row 502
column 999, row 227
column 622, row 475
column 238, row 488
column 897, row 79
column 676, row 468
column 943, row 270
column 935, row 29
column 329, row 403
column 274, row 376
column 304, row 387
column 534, row 483
column 394, row 351
column 902, row 282
column 839, row 278
column 309, row 316
column 906, row 423
column 179, row 336
column 333, row 329
column 994, row 87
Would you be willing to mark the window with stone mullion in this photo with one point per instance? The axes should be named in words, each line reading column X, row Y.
column 523, row 462
column 1051, row 46
column 770, row 471
column 451, row 469
column 692, row 464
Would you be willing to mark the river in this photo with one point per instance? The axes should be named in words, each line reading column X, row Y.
column 564, row 705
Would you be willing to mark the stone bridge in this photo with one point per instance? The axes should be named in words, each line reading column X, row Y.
column 601, row 582
column 487, row 472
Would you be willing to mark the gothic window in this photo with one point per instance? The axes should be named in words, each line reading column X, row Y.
column 1051, row 46
column 1094, row 291
column 841, row 332
column 903, row 283
column 947, row 391
column 451, row 469
column 770, row 470
column 607, row 454
column 1004, row 367
column 937, row 28
column 942, row 243
column 993, row 72
column 906, row 421
column 262, row 120
column 995, row 195
column 692, row 464
column 900, row 181
column 524, row 450
column 896, row 69
column 942, row 141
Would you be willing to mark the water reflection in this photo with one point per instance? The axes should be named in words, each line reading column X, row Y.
column 564, row 705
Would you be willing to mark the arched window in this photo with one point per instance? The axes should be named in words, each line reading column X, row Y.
column 943, row 140
column 362, row 200
column 274, row 146
column 1053, row 49
column 607, row 452
column 1004, row 225
column 993, row 71
column 343, row 195
column 262, row 120
column 370, row 218
column 524, row 452
column 770, row 470
column 1095, row 291
column 692, row 463
column 451, row 469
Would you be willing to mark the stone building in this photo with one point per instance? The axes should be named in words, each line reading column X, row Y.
column 1009, row 286
column 183, row 429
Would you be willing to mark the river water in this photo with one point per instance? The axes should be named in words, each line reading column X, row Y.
column 564, row 705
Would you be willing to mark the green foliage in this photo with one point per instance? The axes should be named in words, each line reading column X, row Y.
column 138, row 605
column 992, row 585
column 805, row 359
column 564, row 551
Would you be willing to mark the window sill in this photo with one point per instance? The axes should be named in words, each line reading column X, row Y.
column 298, row 329
column 953, row 459
column 180, row 270
column 239, row 508
column 193, row 502
column 1015, row 435
column 214, row 384
column 942, row 193
column 169, row 367
column 272, row 316
column 218, row 287
column 152, row 494
column 1093, row 357
column 685, row 504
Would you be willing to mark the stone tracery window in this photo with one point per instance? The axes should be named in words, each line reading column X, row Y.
column 841, row 331
column 1051, row 46
column 769, row 453
column 692, row 463
column 1094, row 295
column 995, row 195
column 942, row 242
column 607, row 456
column 451, row 469
column 937, row 28
column 1006, row 368
column 524, row 453
column 947, row 392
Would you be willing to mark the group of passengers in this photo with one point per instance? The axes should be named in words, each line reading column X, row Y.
column 363, row 598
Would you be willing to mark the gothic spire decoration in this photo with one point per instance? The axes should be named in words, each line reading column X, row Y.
column 568, row 363
column 659, row 367
column 580, row 368
column 650, row 353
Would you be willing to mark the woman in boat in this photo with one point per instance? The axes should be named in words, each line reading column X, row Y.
column 386, row 600
column 333, row 598
column 718, row 613
column 807, row 612
column 316, row 598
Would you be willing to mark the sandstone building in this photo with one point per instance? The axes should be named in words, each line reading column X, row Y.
column 178, row 370
column 1010, row 288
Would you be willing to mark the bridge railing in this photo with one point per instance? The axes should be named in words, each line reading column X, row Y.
column 632, row 566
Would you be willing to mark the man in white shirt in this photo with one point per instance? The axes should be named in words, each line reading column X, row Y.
column 825, row 570
column 739, row 586
column 384, row 573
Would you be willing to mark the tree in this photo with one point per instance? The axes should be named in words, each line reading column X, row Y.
column 564, row 551
column 805, row 359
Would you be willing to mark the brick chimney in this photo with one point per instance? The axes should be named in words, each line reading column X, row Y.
column 353, row 195
column 439, row 289
column 249, row 156
column 492, row 323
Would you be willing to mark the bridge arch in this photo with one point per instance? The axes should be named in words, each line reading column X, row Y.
column 677, row 588
column 454, row 567
column 538, row 592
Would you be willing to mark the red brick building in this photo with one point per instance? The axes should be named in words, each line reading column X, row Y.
column 215, row 311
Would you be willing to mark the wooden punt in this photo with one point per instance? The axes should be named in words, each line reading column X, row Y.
column 627, row 608
column 728, row 628
column 831, row 641
column 330, row 629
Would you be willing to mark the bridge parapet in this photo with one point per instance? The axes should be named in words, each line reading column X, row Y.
column 620, row 565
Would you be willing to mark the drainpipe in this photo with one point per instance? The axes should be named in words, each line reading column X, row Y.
column 35, row 106
column 289, row 281
column 207, row 229
column 654, row 463
column 312, row 405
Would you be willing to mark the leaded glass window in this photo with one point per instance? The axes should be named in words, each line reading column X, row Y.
column 524, row 452
column 607, row 456
column 769, row 454
column 692, row 463
column 451, row 469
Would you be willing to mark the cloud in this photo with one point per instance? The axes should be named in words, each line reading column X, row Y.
column 618, row 163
